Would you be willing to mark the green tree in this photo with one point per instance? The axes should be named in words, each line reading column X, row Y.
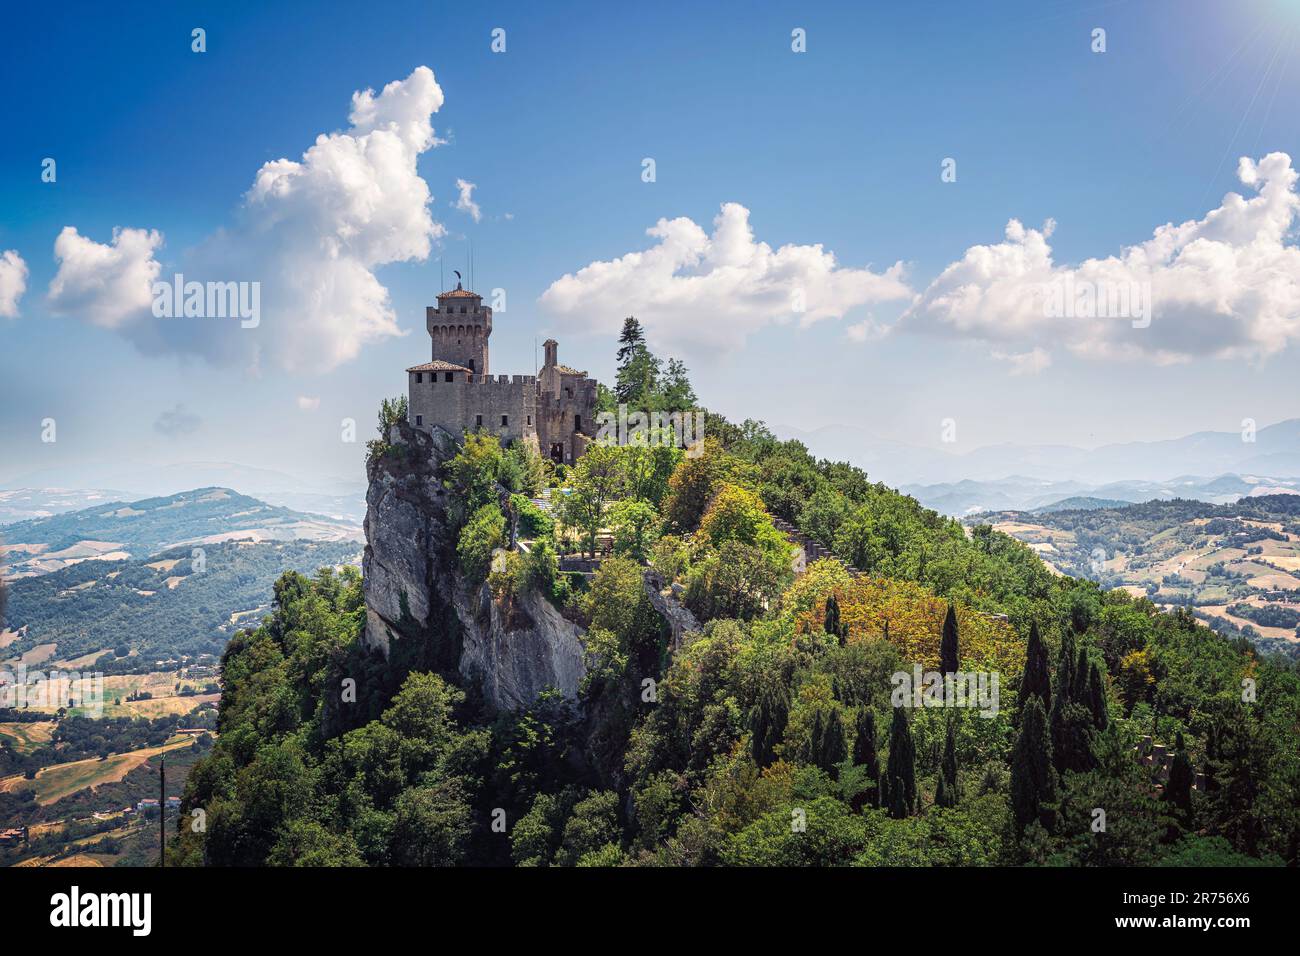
column 595, row 480
column 1036, row 681
column 633, row 522
column 1033, row 776
column 900, row 768
column 866, row 754
column 1178, row 789
column 482, row 535
column 948, row 659
column 948, row 765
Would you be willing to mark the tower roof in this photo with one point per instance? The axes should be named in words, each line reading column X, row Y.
column 438, row 365
column 459, row 293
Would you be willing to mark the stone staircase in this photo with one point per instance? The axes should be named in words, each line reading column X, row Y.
column 812, row 549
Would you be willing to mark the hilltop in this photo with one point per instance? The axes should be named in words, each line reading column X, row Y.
column 119, row 530
column 743, row 615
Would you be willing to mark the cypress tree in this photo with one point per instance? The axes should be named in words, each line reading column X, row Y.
column 1082, row 669
column 900, row 769
column 1097, row 698
column 943, row 796
column 865, row 750
column 767, row 724
column 834, row 748
column 948, row 766
column 831, row 623
column 948, row 660
column 817, row 738
column 1037, row 678
column 1178, row 790
column 1033, row 778
column 1071, row 718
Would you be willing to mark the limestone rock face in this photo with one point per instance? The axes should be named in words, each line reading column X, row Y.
column 412, row 581
column 516, row 663
column 667, row 601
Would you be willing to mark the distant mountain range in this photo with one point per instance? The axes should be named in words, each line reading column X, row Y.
column 119, row 582
column 122, row 530
column 1019, row 493
column 48, row 491
column 1274, row 452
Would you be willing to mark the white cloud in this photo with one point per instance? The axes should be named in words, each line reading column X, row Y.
column 708, row 292
column 465, row 202
column 13, row 282
column 1224, row 286
column 311, row 232
column 107, row 285
column 1025, row 363
column 307, row 403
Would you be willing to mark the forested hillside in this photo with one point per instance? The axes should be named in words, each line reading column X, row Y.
column 773, row 736
column 130, row 615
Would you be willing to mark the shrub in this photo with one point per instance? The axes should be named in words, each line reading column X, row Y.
column 482, row 534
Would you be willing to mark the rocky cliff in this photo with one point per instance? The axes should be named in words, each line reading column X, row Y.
column 419, row 606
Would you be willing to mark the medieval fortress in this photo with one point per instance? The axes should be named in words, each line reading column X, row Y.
column 553, row 410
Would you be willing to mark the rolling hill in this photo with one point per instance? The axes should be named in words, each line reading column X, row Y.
column 1237, row 565
column 118, row 531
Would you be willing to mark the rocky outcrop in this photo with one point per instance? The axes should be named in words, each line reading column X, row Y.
column 667, row 601
column 518, row 655
column 417, row 602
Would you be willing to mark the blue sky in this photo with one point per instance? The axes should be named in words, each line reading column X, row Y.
column 839, row 146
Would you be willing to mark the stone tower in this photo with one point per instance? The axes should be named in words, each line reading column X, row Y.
column 459, row 326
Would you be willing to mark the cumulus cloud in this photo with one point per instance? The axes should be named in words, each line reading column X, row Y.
column 308, row 403
column 108, row 285
column 311, row 231
column 13, row 282
column 1224, row 286
column 177, row 422
column 709, row 291
column 465, row 201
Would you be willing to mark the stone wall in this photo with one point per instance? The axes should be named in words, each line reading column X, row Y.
column 474, row 401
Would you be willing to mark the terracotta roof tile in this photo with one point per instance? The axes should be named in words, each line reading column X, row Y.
column 459, row 294
column 565, row 370
column 438, row 366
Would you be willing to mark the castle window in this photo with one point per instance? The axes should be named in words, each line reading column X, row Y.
column 577, row 423
column 505, row 421
column 419, row 419
column 478, row 421
column 530, row 419
column 419, row 377
column 448, row 376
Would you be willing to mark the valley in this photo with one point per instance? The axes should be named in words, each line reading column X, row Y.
column 1237, row 566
